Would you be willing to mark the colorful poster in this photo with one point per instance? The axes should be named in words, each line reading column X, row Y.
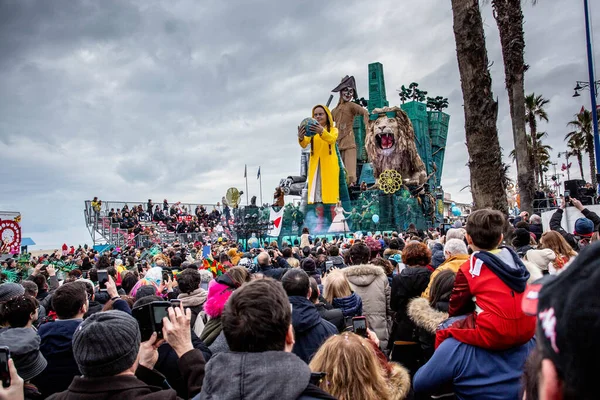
column 10, row 232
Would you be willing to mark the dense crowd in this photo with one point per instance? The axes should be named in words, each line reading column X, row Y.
column 494, row 309
column 175, row 217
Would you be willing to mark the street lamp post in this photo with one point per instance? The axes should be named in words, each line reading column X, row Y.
column 590, row 56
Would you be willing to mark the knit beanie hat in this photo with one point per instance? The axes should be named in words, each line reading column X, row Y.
column 437, row 258
column 541, row 258
column 521, row 237
column 24, row 346
column 309, row 265
column 96, row 354
column 10, row 290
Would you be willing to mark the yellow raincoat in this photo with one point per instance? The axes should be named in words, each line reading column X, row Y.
column 323, row 161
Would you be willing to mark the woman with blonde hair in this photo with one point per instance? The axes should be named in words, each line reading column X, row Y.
column 338, row 293
column 357, row 370
column 564, row 252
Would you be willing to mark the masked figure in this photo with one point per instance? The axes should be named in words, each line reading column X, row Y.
column 343, row 115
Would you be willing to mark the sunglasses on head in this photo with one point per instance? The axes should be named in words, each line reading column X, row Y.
column 389, row 114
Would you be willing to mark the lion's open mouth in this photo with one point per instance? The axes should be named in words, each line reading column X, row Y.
column 385, row 140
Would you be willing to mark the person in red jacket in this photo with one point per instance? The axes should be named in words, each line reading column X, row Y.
column 489, row 288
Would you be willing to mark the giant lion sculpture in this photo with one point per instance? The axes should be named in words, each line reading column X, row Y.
column 390, row 144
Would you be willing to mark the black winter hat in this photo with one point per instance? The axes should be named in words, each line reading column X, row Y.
column 309, row 265
column 107, row 343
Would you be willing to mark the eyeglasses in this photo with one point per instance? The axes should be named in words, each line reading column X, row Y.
column 389, row 114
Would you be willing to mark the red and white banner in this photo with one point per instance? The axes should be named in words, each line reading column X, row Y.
column 276, row 218
column 10, row 232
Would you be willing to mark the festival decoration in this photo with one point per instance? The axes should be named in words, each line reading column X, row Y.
column 253, row 242
column 215, row 267
column 455, row 210
column 390, row 181
column 390, row 144
column 10, row 234
column 276, row 218
column 9, row 275
column 343, row 115
column 375, row 218
column 323, row 165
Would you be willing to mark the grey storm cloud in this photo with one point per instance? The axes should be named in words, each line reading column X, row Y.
column 130, row 100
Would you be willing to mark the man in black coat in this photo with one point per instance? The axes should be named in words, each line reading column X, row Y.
column 309, row 328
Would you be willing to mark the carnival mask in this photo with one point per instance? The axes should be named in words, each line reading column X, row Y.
column 347, row 94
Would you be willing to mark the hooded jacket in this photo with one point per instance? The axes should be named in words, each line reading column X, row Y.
column 338, row 261
column 426, row 319
column 497, row 281
column 56, row 346
column 409, row 284
column 323, row 161
column 310, row 330
column 371, row 284
column 269, row 375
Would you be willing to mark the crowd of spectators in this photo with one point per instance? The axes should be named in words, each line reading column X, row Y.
column 461, row 315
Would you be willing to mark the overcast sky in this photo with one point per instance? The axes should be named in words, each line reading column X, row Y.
column 130, row 100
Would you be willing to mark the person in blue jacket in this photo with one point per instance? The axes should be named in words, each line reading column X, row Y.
column 472, row 372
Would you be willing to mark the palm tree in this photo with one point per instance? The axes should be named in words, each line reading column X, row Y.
column 509, row 18
column 480, row 108
column 541, row 154
column 534, row 110
column 583, row 133
column 576, row 147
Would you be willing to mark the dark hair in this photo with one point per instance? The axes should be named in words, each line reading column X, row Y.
column 93, row 275
column 68, row 299
column 416, row 253
column 529, row 379
column 286, row 252
column 176, row 262
column 485, row 227
column 334, row 251
column 145, row 291
column 112, row 271
column 359, row 253
column 128, row 282
column 394, row 245
column 249, row 326
column 304, row 230
column 522, row 224
column 31, row 288
column 130, row 261
column 295, row 283
column 146, row 300
column 189, row 280
column 40, row 281
column 441, row 287
column 314, row 286
column 103, row 263
column 16, row 311
column 306, row 251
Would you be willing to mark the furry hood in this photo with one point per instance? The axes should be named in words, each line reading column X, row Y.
column 363, row 275
column 391, row 252
column 399, row 381
column 425, row 317
column 218, row 294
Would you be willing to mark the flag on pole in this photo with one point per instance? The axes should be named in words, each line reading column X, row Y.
column 258, row 174
column 276, row 218
column 245, row 170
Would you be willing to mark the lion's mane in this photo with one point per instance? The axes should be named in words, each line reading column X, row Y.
column 405, row 159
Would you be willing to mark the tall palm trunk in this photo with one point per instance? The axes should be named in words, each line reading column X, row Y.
column 580, row 162
column 509, row 18
column 590, row 151
column 481, row 111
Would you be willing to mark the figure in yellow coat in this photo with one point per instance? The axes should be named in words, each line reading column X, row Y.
column 323, row 167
